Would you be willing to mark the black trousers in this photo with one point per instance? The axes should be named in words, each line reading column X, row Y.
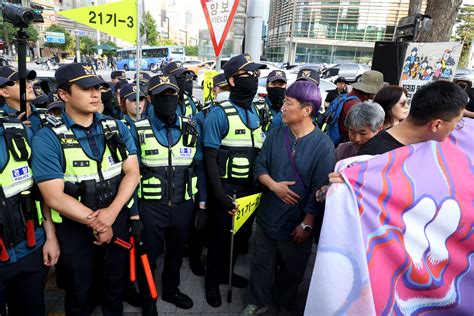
column 22, row 286
column 92, row 274
column 218, row 253
column 167, row 228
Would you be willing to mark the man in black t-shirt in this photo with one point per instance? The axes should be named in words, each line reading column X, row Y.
column 436, row 110
column 341, row 88
column 466, row 83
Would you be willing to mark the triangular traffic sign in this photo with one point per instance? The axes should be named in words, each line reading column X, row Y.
column 118, row 19
column 219, row 16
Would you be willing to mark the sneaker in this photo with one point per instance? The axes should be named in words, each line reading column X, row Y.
column 253, row 310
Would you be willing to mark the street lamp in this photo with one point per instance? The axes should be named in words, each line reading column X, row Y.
column 186, row 32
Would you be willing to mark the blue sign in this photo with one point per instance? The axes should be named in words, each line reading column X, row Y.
column 54, row 37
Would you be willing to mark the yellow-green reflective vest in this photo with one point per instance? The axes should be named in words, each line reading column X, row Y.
column 239, row 148
column 85, row 177
column 15, row 177
column 189, row 111
column 167, row 171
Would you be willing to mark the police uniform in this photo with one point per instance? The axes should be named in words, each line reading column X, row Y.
column 130, row 92
column 270, row 116
column 232, row 139
column 34, row 117
column 169, row 157
column 89, row 160
column 308, row 74
column 189, row 105
column 22, row 272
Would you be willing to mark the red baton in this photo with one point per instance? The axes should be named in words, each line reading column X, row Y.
column 122, row 243
column 133, row 273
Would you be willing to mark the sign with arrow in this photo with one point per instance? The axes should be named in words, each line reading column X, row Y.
column 118, row 19
column 219, row 16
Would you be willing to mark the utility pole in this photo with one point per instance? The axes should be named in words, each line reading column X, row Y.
column 291, row 58
column 76, row 33
column 253, row 30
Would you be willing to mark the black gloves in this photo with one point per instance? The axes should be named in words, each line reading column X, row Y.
column 200, row 219
column 136, row 228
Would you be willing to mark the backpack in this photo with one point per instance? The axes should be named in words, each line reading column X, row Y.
column 329, row 120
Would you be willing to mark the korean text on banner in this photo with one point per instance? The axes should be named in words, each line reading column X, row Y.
column 208, row 85
column 118, row 19
column 219, row 16
column 247, row 205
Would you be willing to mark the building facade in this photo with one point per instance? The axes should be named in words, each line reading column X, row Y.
column 330, row 31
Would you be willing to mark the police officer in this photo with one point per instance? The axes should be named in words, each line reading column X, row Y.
column 118, row 75
column 188, row 105
column 144, row 79
column 170, row 161
column 87, row 170
column 270, row 114
column 55, row 104
column 26, row 252
column 11, row 95
column 128, row 103
column 200, row 233
column 232, row 139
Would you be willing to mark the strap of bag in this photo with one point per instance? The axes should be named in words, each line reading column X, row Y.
column 299, row 179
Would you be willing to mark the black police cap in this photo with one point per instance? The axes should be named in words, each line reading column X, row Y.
column 80, row 74
column 12, row 74
column 160, row 83
column 176, row 69
column 308, row 75
column 276, row 75
column 118, row 74
column 129, row 92
column 219, row 80
column 240, row 62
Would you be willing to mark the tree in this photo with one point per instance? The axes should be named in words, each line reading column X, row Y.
column 465, row 32
column 69, row 41
column 191, row 50
column 10, row 33
column 86, row 44
column 443, row 13
column 148, row 28
column 165, row 42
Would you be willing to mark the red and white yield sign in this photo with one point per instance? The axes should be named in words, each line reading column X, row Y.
column 219, row 16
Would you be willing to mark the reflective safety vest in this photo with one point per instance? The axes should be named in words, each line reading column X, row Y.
column 190, row 106
column 239, row 148
column 15, row 177
column 94, row 183
column 43, row 113
column 167, row 171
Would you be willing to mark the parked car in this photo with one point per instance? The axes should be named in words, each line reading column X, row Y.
column 464, row 72
column 352, row 72
column 196, row 67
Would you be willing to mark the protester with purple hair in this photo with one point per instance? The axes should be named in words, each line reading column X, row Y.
column 288, row 212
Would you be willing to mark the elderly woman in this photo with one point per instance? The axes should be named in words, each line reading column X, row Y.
column 294, row 162
column 394, row 102
column 363, row 121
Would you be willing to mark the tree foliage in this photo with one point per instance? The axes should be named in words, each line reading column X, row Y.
column 148, row 28
column 69, row 40
column 10, row 32
column 191, row 50
column 86, row 44
column 165, row 42
column 465, row 32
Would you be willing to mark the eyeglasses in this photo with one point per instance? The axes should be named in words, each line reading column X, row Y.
column 404, row 104
column 459, row 125
column 249, row 73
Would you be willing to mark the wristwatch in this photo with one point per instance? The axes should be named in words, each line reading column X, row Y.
column 306, row 228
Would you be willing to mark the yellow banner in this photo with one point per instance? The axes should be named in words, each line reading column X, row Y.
column 208, row 85
column 117, row 19
column 247, row 205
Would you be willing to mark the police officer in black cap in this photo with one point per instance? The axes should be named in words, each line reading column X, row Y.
column 270, row 114
column 118, row 75
column 189, row 105
column 232, row 139
column 170, row 162
column 87, row 170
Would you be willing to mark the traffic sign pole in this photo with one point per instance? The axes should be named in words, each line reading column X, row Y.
column 138, row 64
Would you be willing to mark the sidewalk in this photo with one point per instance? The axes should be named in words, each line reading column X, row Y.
column 194, row 287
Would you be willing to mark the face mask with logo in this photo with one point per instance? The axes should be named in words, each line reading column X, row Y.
column 165, row 107
column 276, row 95
column 244, row 91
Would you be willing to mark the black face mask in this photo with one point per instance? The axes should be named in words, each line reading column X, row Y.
column 244, row 91
column 165, row 107
column 188, row 87
column 107, row 101
column 276, row 95
column 181, row 82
